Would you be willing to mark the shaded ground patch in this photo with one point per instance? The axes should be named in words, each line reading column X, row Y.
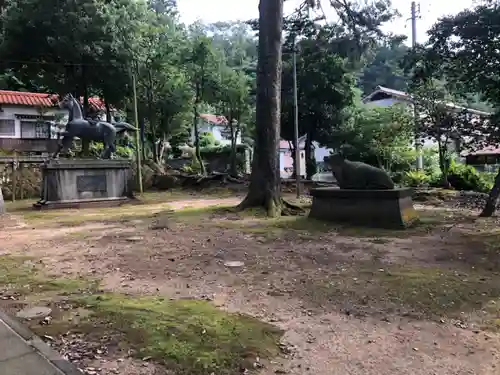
column 420, row 292
column 332, row 289
column 188, row 337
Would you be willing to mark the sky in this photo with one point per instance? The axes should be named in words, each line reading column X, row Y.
column 231, row 10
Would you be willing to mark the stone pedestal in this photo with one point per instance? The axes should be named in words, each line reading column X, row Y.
column 373, row 208
column 73, row 183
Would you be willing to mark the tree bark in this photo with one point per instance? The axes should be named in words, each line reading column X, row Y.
column 310, row 161
column 491, row 202
column 197, row 153
column 443, row 164
column 232, row 158
column 291, row 148
column 264, row 190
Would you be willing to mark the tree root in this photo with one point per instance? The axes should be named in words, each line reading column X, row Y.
column 273, row 209
column 290, row 209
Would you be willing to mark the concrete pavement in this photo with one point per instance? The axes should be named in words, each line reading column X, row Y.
column 23, row 353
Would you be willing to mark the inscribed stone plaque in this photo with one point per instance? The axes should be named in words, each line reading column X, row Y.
column 94, row 183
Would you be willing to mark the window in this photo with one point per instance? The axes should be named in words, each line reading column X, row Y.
column 34, row 130
column 42, row 130
column 8, row 128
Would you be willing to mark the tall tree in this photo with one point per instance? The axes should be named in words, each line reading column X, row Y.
column 383, row 67
column 464, row 48
column 264, row 189
column 235, row 106
column 362, row 19
column 325, row 89
column 202, row 67
column 69, row 46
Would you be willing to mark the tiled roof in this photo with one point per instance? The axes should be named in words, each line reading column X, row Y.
column 403, row 96
column 214, row 119
column 33, row 99
column 489, row 150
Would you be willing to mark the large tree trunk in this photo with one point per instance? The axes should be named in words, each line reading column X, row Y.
column 443, row 164
column 310, row 159
column 491, row 202
column 197, row 150
column 291, row 148
column 264, row 190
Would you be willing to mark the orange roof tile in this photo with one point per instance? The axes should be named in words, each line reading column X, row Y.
column 214, row 119
column 33, row 99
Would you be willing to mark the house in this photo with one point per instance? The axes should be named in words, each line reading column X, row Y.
column 218, row 126
column 286, row 156
column 485, row 160
column 384, row 97
column 25, row 117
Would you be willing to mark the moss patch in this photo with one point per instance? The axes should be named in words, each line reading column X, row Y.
column 189, row 337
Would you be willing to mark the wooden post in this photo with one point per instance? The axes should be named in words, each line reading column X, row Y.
column 137, row 137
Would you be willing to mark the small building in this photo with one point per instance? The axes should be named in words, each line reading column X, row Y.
column 25, row 121
column 286, row 156
column 384, row 97
column 218, row 126
column 484, row 160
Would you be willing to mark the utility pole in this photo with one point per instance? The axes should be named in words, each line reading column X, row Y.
column 137, row 137
column 296, row 120
column 414, row 15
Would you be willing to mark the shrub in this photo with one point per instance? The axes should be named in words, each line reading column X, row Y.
column 192, row 168
column 122, row 152
column 466, row 177
column 415, row 178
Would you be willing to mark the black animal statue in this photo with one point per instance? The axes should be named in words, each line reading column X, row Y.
column 87, row 129
column 357, row 175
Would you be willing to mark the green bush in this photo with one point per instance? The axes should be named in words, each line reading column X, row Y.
column 466, row 177
column 192, row 168
column 415, row 179
column 122, row 152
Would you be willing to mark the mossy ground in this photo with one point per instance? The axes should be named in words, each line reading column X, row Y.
column 194, row 337
column 188, row 337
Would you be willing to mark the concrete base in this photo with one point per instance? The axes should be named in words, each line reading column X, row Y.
column 374, row 208
column 74, row 183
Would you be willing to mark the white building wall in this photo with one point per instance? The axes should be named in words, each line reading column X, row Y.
column 10, row 112
column 217, row 131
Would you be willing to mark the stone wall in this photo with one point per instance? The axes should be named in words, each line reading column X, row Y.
column 216, row 161
column 26, row 182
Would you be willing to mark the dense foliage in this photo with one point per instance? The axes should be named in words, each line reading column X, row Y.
column 462, row 56
column 96, row 47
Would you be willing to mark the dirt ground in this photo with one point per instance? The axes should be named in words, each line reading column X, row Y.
column 350, row 301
